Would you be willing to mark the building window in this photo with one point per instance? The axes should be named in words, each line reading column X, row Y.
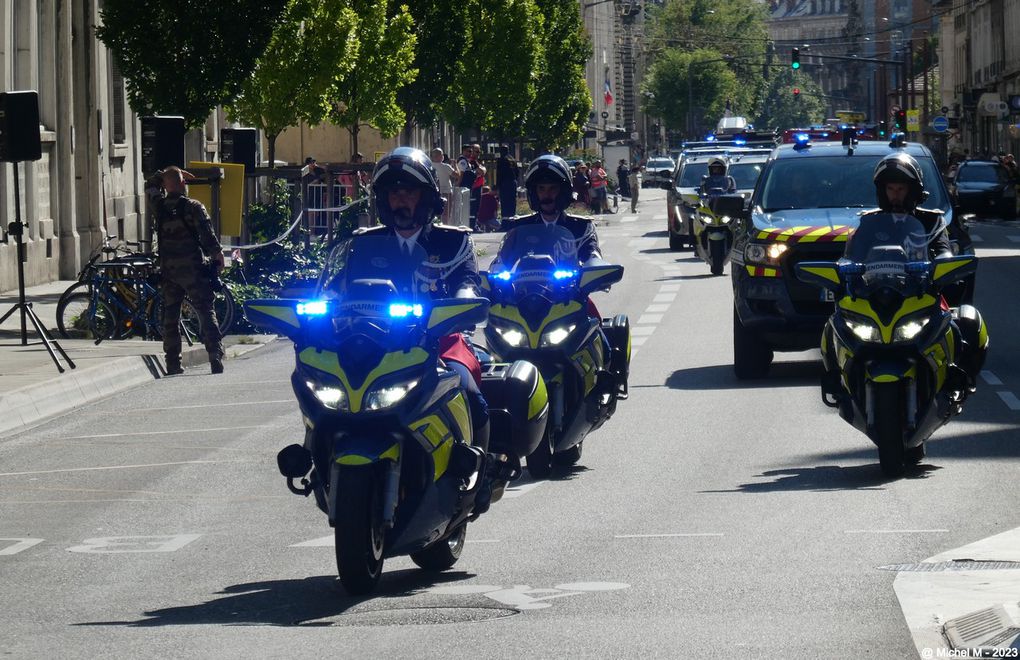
column 117, row 101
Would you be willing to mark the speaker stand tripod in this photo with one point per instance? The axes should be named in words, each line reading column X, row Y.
column 16, row 229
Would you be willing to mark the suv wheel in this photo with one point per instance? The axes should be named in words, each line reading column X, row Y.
column 751, row 356
column 676, row 242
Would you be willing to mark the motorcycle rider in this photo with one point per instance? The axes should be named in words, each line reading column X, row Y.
column 899, row 187
column 717, row 178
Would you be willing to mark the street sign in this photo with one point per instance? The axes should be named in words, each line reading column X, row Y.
column 605, row 115
column 913, row 120
column 940, row 123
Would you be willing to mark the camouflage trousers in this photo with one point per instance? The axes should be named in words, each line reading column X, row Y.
column 188, row 281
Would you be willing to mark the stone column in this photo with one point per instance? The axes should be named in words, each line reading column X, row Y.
column 65, row 184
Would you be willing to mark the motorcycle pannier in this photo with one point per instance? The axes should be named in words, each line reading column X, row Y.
column 518, row 407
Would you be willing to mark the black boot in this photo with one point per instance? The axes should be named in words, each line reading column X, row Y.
column 173, row 367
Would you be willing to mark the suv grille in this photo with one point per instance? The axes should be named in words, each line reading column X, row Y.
column 807, row 299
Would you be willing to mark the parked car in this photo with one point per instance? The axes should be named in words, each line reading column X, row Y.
column 984, row 187
column 658, row 172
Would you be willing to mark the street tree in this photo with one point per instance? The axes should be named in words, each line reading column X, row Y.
column 311, row 52
column 562, row 102
column 438, row 24
column 498, row 84
column 186, row 57
column 698, row 82
column 783, row 109
column 367, row 95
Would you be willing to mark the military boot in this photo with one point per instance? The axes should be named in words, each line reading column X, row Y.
column 173, row 367
column 216, row 364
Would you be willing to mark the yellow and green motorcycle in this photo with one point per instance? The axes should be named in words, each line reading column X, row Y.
column 540, row 313
column 390, row 451
column 899, row 361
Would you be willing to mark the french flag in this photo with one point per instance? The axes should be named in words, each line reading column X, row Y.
column 608, row 93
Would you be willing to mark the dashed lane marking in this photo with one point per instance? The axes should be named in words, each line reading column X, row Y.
column 657, row 309
column 628, row 218
column 189, row 407
column 482, row 541
column 897, row 531
column 120, row 467
column 668, row 536
column 650, row 319
column 134, row 433
column 990, row 378
column 659, row 216
column 665, row 288
column 1010, row 400
column 637, row 341
column 664, row 298
column 642, row 330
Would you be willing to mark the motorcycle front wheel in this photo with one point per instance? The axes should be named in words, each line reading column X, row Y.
column 444, row 553
column 888, row 433
column 358, row 532
column 540, row 461
column 717, row 254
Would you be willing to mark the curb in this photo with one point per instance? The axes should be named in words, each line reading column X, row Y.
column 35, row 404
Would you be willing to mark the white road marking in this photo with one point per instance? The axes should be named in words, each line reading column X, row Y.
column 112, row 545
column 524, row 597
column 482, row 541
column 20, row 545
column 637, row 331
column 664, row 298
column 516, row 491
column 637, row 341
column 640, row 242
column 659, row 216
column 669, row 287
column 657, row 309
column 1010, row 400
column 897, row 531
column 665, row 536
column 118, row 435
column 199, row 405
column 324, row 542
column 990, row 378
column 119, row 467
column 628, row 218
column 650, row 319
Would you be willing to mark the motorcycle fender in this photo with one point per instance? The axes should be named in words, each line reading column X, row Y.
column 349, row 450
column 717, row 235
column 890, row 371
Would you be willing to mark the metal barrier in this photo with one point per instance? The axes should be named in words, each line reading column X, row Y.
column 460, row 207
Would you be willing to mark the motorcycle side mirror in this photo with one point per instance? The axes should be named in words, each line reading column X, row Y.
column 594, row 278
column 450, row 315
column 947, row 270
column 823, row 274
column 282, row 316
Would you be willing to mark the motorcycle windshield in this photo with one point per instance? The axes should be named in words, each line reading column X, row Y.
column 538, row 259
column 376, row 279
column 887, row 250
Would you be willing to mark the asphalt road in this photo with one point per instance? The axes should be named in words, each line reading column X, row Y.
column 708, row 518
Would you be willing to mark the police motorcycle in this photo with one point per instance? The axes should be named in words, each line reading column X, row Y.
column 539, row 313
column 389, row 452
column 713, row 225
column 900, row 369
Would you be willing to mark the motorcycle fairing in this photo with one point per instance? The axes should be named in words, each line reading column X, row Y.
column 510, row 314
column 393, row 362
column 276, row 315
column 594, row 278
column 911, row 305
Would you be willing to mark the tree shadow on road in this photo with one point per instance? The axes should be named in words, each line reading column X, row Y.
column 826, row 478
column 287, row 602
column 804, row 373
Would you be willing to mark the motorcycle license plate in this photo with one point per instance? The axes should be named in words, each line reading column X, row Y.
column 828, row 296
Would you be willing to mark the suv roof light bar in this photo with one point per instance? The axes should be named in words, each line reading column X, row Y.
column 898, row 141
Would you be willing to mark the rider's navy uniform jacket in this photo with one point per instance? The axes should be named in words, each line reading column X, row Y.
column 582, row 229
column 938, row 244
column 442, row 244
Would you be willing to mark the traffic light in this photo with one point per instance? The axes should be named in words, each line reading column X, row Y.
column 881, row 129
column 796, row 93
column 900, row 120
column 795, row 59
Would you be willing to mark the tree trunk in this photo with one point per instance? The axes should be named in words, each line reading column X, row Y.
column 355, row 129
column 271, row 137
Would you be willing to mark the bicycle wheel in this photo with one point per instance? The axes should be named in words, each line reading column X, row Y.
column 224, row 306
column 77, row 318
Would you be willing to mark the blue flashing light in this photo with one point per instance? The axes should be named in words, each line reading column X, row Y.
column 398, row 310
column 505, row 276
column 801, row 137
column 312, row 308
column 564, row 274
column 825, row 134
column 710, row 138
column 843, row 126
column 739, row 141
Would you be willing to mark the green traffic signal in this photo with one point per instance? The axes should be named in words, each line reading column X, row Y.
column 795, row 58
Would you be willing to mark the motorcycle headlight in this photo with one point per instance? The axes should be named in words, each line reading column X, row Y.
column 555, row 336
column 863, row 328
column 765, row 253
column 512, row 336
column 331, row 396
column 387, row 396
column 910, row 327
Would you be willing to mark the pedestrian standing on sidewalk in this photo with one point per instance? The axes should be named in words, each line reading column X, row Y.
column 190, row 256
column 446, row 176
column 507, row 172
column 622, row 174
column 468, row 171
column 634, row 181
column 599, row 188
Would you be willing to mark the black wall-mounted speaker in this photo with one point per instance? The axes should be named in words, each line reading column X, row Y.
column 162, row 143
column 19, row 126
column 239, row 145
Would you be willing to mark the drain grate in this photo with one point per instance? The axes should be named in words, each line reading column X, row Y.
column 420, row 616
column 948, row 566
column 989, row 627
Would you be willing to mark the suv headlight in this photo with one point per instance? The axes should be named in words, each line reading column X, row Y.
column 862, row 327
column 910, row 327
column 555, row 336
column 387, row 396
column 333, row 397
column 765, row 253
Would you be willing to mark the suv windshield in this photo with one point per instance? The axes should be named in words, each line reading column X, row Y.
column 745, row 174
column 690, row 176
column 805, row 182
column 982, row 173
column 660, row 164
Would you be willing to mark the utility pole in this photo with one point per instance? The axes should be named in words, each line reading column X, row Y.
column 927, row 68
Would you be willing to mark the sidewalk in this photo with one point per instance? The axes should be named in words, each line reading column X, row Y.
column 32, row 389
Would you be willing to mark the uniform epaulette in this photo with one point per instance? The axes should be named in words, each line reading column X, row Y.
column 365, row 230
column 439, row 225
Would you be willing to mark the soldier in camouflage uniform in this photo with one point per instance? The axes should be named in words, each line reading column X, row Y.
column 188, row 249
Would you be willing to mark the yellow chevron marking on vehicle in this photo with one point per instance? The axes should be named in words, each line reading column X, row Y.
column 328, row 361
column 539, row 399
column 459, row 409
column 942, row 270
column 353, row 459
column 828, row 272
column 512, row 314
column 759, row 271
column 440, row 314
column 284, row 313
column 441, row 458
column 885, row 378
column 393, row 453
column 983, row 335
column 592, row 274
column 433, row 428
column 863, row 307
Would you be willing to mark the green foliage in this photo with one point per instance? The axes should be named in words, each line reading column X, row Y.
column 368, row 94
column 503, row 51
column 562, row 102
column 440, row 27
column 781, row 110
column 186, row 57
column 710, row 84
column 311, row 50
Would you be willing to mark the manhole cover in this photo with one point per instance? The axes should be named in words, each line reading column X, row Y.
column 422, row 616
